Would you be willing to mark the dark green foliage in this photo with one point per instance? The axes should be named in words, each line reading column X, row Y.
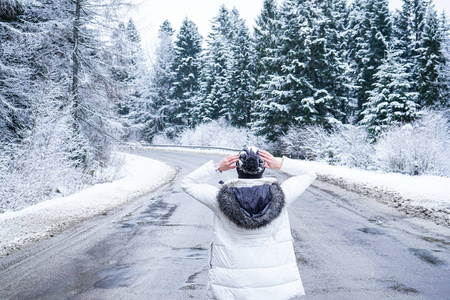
column 186, row 67
column 429, row 61
column 390, row 101
column 227, row 75
column 10, row 9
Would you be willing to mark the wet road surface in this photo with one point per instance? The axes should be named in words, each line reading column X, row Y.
column 347, row 247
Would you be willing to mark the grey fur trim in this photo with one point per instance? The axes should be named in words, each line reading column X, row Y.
column 229, row 205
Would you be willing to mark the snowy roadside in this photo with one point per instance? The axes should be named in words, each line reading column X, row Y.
column 182, row 149
column 423, row 196
column 139, row 176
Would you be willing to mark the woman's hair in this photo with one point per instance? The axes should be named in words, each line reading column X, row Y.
column 250, row 164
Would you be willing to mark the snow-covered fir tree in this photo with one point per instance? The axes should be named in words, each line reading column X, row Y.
column 444, row 70
column 164, row 77
column 326, row 67
column 338, row 72
column 308, row 85
column 10, row 9
column 215, row 75
column 390, row 101
column 185, row 92
column 266, row 36
column 242, row 78
column 15, row 71
column 227, row 76
column 370, row 29
column 120, row 58
column 429, row 61
column 282, row 93
column 357, row 49
column 134, row 95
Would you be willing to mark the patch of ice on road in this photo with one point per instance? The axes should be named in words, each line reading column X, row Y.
column 139, row 176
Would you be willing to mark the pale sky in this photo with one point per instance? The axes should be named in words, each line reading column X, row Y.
column 149, row 14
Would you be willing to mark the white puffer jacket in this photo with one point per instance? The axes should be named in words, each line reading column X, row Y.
column 251, row 263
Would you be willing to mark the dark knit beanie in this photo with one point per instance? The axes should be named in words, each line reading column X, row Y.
column 250, row 164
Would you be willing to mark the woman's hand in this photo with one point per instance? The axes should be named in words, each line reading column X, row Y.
column 226, row 163
column 271, row 161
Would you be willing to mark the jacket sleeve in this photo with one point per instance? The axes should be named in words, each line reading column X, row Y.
column 193, row 184
column 299, row 182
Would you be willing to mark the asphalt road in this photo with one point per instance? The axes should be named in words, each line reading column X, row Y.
column 347, row 247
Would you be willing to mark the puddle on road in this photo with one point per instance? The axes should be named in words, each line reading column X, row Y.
column 372, row 230
column 403, row 289
column 190, row 283
column 437, row 241
column 428, row 257
column 192, row 287
column 188, row 253
column 118, row 276
column 157, row 213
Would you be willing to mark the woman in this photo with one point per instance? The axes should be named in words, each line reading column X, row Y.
column 252, row 254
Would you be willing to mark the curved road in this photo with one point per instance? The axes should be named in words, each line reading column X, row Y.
column 347, row 247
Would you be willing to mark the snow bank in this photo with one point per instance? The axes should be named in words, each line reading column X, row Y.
column 139, row 176
column 424, row 196
column 218, row 152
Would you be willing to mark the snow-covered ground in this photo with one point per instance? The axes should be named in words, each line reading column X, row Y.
column 139, row 176
column 424, row 196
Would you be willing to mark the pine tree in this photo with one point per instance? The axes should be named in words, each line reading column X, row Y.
column 132, row 93
column 227, row 77
column 343, row 67
column 408, row 33
column 284, row 95
column 444, row 70
column 357, row 49
column 164, row 78
column 187, row 68
column 266, row 42
column 371, row 29
column 326, row 67
column 119, row 68
column 94, row 112
column 390, row 101
column 304, row 86
column 215, row 76
column 10, row 9
column 14, row 73
column 430, row 60
column 241, row 72
column 378, row 36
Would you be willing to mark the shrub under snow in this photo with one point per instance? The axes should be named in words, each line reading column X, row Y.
column 346, row 145
column 422, row 147
column 221, row 134
column 350, row 147
column 309, row 142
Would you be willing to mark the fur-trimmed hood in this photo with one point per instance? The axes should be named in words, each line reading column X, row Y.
column 251, row 207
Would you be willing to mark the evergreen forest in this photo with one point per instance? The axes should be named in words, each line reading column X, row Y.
column 75, row 83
